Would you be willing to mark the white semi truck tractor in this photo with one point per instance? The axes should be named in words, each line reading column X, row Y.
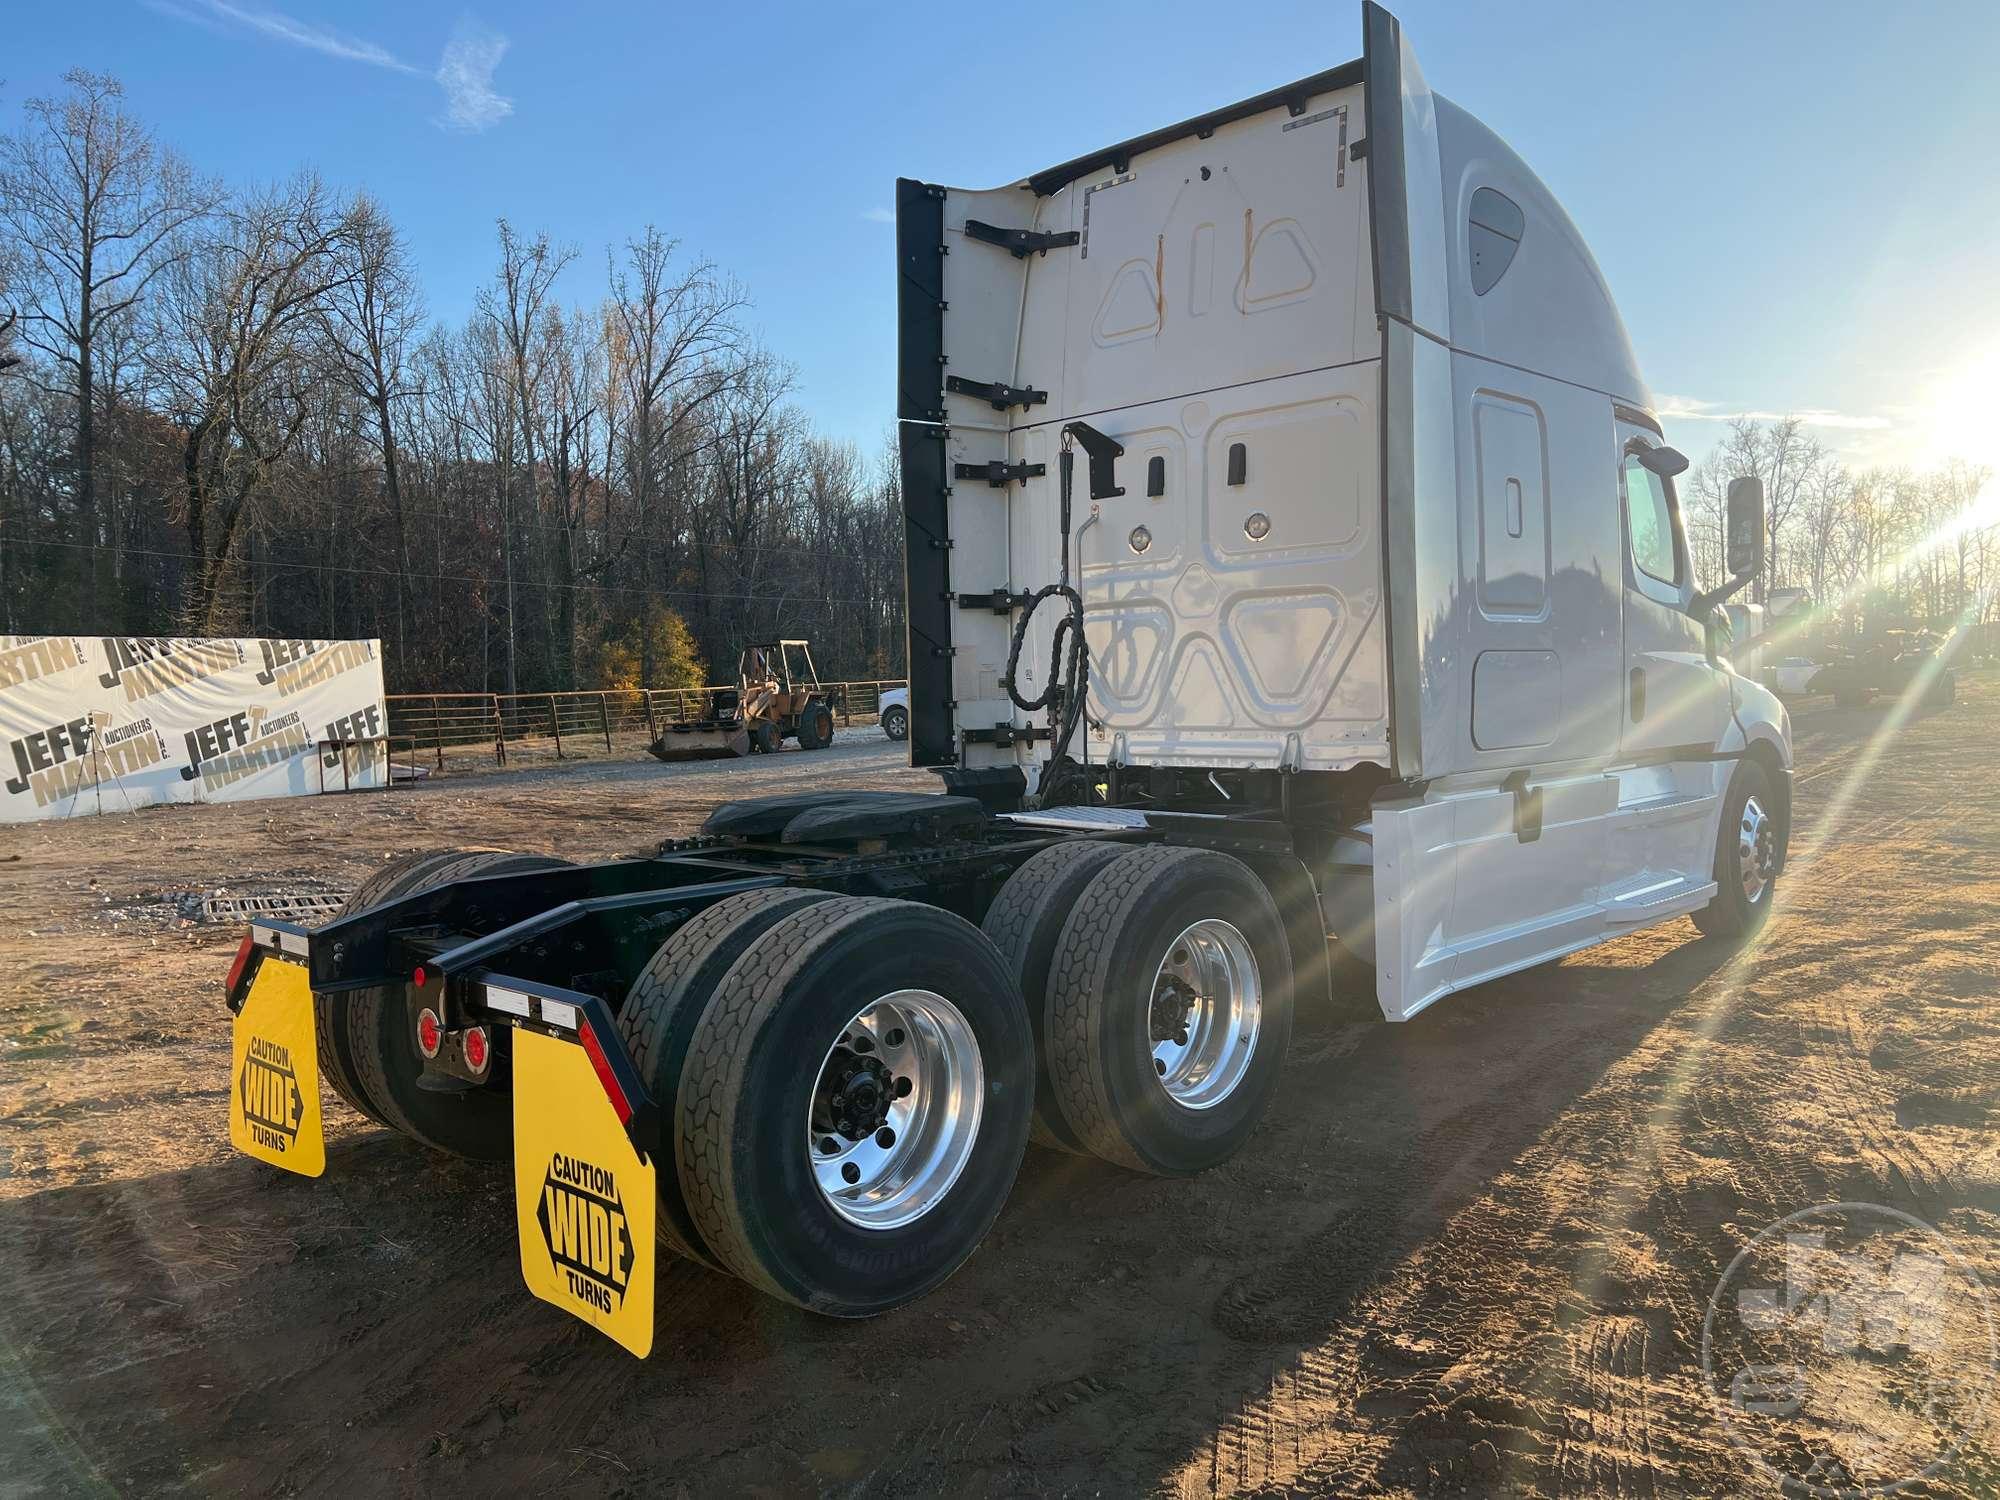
column 1300, row 614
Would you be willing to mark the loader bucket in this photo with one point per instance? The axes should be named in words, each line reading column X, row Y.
column 678, row 742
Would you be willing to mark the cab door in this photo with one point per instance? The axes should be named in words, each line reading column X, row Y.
column 1674, row 698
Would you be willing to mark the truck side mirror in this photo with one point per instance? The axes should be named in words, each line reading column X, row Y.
column 1746, row 526
column 1662, row 460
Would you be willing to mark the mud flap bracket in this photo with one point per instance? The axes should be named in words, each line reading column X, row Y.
column 1021, row 242
column 997, row 473
column 999, row 395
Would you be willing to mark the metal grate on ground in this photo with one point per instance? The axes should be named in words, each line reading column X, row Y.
column 300, row 907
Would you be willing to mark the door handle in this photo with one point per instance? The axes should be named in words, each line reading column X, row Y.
column 1638, row 694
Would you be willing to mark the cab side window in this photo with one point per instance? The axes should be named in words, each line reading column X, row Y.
column 1650, row 519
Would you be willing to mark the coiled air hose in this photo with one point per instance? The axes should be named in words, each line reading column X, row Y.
column 1069, row 654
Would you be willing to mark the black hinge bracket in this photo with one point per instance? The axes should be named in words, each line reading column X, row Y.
column 1022, row 242
column 1002, row 396
column 1000, row 601
column 1003, row 735
column 999, row 474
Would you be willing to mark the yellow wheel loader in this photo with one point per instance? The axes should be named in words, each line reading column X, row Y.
column 778, row 697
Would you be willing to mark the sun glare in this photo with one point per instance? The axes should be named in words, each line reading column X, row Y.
column 1959, row 418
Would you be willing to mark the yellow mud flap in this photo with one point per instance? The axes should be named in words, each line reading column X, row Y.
column 583, row 1197
column 274, row 1072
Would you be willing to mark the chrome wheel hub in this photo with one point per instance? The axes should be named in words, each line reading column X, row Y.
column 895, row 1109
column 1207, row 1008
column 1756, row 851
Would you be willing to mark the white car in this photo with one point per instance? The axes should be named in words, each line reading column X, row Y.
column 894, row 708
column 1792, row 675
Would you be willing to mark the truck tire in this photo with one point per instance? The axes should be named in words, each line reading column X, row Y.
column 1186, row 931
column 896, row 722
column 1025, row 922
column 667, row 1000
column 765, row 738
column 816, row 727
column 1746, row 848
column 477, row 1122
column 398, row 878
column 776, row 1074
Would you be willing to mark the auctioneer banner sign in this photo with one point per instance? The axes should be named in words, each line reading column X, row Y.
column 92, row 724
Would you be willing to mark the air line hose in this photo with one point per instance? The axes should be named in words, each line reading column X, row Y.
column 1069, row 654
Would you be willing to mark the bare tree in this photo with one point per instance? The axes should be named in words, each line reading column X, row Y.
column 678, row 348
column 93, row 205
column 237, row 354
column 514, row 302
column 372, row 315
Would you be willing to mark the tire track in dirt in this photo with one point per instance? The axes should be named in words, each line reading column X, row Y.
column 1395, row 1358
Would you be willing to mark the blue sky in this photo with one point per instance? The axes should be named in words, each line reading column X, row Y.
column 1794, row 203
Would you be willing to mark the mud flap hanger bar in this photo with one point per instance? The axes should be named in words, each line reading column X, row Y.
column 586, row 1020
column 997, row 473
column 1022, row 242
column 1001, row 396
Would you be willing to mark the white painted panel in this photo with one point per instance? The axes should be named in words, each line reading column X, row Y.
column 1213, row 262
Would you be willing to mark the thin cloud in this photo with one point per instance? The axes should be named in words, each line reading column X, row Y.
column 879, row 215
column 289, row 29
column 464, row 72
column 1686, row 409
column 466, row 75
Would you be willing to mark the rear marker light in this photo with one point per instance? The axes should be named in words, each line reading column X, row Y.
column 430, row 1033
column 605, row 1076
column 478, row 1052
column 420, row 976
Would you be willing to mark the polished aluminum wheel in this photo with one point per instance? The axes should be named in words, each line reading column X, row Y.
column 1208, row 1005
column 1756, row 851
column 895, row 1110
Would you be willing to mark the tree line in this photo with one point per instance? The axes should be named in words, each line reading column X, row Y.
column 228, row 412
column 1874, row 547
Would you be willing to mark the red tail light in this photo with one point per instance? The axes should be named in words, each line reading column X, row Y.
column 478, row 1050
column 420, row 976
column 243, row 951
column 430, row 1034
column 605, row 1076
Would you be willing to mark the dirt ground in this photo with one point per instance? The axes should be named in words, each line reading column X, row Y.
column 1469, row 1254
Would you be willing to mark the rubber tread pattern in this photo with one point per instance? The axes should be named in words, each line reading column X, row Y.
column 361, row 1011
column 1079, row 977
column 330, row 1011
column 718, row 1056
column 1044, row 890
column 647, row 1017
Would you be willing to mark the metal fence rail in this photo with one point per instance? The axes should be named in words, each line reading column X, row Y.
column 575, row 724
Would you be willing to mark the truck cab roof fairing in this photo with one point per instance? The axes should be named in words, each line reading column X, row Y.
column 1551, row 310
